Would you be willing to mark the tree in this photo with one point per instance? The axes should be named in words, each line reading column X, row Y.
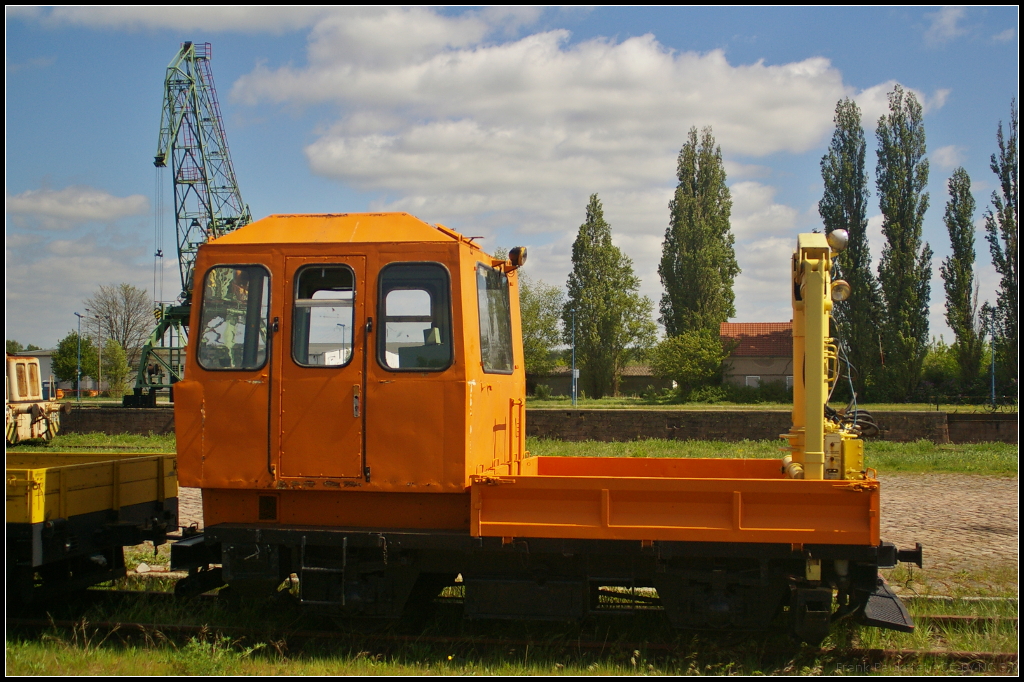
column 115, row 368
column 844, row 206
column 65, row 358
column 540, row 307
column 124, row 313
column 1001, row 222
column 691, row 359
column 613, row 322
column 698, row 262
column 958, row 279
column 904, row 270
column 14, row 346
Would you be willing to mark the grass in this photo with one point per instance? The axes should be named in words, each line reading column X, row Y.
column 998, row 459
column 923, row 456
column 99, row 442
column 993, row 582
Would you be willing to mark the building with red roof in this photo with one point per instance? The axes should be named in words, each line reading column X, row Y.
column 762, row 353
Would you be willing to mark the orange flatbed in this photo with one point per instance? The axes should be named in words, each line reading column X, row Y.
column 667, row 499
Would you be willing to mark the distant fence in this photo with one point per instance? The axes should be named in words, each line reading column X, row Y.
column 627, row 425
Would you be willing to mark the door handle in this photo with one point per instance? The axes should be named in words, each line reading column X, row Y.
column 355, row 401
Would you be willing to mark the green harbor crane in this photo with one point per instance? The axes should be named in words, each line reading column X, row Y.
column 207, row 205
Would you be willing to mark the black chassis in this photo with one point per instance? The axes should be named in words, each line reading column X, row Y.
column 379, row 573
column 51, row 558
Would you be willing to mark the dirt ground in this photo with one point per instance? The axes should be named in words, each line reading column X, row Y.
column 963, row 522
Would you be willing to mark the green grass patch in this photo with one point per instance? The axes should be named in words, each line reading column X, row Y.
column 99, row 442
column 994, row 583
column 886, row 457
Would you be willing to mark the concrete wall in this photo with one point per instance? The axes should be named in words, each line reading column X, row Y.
column 117, row 420
column 626, row 425
column 725, row 425
column 981, row 428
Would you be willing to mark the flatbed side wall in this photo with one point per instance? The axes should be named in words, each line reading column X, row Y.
column 657, row 467
column 676, row 509
column 50, row 486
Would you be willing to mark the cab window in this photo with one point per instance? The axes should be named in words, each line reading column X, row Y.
column 233, row 322
column 415, row 317
column 323, row 316
column 495, row 320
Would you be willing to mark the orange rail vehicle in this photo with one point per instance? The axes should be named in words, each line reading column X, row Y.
column 354, row 413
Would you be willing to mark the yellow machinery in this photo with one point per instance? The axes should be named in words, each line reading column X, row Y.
column 28, row 416
column 822, row 449
column 354, row 415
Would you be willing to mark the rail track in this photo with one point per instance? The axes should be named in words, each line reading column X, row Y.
column 284, row 638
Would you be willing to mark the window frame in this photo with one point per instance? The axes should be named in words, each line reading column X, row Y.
column 202, row 306
column 480, row 326
column 381, row 325
column 325, row 304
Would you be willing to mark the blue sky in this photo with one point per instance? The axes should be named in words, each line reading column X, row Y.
column 494, row 121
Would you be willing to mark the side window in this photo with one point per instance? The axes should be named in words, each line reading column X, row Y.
column 323, row 316
column 22, row 382
column 233, row 323
column 414, row 311
column 33, row 379
column 495, row 320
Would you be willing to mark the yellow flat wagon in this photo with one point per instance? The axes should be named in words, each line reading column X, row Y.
column 69, row 516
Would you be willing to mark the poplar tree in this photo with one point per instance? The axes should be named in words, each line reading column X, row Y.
column 844, row 206
column 698, row 262
column 904, row 269
column 958, row 279
column 612, row 320
column 1001, row 222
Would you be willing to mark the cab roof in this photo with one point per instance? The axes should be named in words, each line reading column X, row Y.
column 312, row 228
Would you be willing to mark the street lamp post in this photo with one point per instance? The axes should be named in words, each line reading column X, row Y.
column 78, row 373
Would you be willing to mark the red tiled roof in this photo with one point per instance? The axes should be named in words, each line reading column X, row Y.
column 759, row 339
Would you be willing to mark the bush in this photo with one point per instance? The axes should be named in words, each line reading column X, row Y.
column 542, row 391
column 692, row 360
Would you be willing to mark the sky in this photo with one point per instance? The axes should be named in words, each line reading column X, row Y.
column 497, row 122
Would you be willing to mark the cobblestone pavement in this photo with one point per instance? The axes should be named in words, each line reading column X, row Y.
column 963, row 522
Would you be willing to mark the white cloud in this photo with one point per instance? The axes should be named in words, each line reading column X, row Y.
column 521, row 132
column 948, row 157
column 62, row 209
column 48, row 280
column 508, row 139
column 1005, row 36
column 944, row 25
column 765, row 237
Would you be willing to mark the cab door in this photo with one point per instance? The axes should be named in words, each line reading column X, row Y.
column 322, row 382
